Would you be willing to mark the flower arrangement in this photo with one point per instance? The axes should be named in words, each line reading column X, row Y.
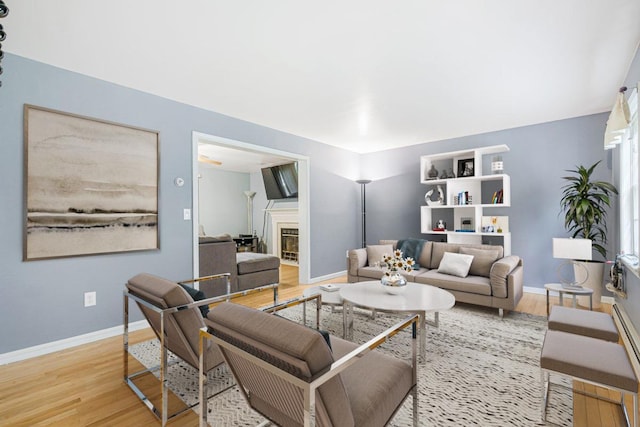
column 392, row 264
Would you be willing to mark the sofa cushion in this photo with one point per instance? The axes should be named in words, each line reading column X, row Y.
column 483, row 259
column 375, row 253
column 371, row 272
column 424, row 260
column 455, row 264
column 215, row 239
column 500, row 274
column 437, row 252
column 251, row 262
column 471, row 284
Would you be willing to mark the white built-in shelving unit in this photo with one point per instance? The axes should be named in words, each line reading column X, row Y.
column 465, row 197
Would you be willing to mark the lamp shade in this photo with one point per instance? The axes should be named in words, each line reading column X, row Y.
column 572, row 249
column 617, row 123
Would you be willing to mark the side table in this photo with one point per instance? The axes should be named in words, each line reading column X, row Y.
column 574, row 291
column 330, row 298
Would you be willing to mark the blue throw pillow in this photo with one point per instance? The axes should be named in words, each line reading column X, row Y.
column 197, row 295
column 412, row 248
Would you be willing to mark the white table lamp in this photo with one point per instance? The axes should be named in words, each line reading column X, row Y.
column 578, row 249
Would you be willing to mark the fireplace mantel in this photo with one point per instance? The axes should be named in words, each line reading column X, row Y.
column 283, row 215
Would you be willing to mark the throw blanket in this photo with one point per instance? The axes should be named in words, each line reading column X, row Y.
column 411, row 248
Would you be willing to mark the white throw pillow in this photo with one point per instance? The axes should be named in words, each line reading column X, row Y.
column 455, row 264
column 375, row 252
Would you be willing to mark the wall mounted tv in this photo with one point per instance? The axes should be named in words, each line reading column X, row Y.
column 281, row 182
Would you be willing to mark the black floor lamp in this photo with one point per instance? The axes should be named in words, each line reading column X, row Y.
column 363, row 200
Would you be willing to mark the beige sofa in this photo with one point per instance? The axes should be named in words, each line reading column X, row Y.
column 248, row 270
column 493, row 279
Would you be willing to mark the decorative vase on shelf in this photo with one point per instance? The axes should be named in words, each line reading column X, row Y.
column 394, row 283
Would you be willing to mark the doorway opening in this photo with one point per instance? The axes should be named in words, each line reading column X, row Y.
column 303, row 246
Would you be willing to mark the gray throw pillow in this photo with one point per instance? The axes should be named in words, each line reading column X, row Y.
column 455, row 264
column 483, row 259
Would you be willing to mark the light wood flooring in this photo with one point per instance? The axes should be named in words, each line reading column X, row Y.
column 83, row 386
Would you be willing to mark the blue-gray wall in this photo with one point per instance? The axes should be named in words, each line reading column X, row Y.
column 42, row 301
column 538, row 158
column 222, row 189
column 54, row 288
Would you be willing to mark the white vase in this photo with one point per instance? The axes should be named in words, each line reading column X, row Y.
column 589, row 275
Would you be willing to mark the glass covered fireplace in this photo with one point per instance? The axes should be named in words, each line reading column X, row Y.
column 289, row 244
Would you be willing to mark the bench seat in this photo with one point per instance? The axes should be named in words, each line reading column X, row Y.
column 582, row 322
column 599, row 362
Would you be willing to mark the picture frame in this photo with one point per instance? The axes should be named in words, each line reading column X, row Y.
column 91, row 186
column 466, row 168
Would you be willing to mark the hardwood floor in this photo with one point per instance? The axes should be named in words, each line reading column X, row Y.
column 83, row 386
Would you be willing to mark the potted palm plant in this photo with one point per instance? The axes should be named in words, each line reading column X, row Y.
column 585, row 203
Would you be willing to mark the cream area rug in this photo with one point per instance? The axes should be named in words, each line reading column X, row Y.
column 480, row 370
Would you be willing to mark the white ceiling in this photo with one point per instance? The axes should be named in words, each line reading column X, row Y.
column 237, row 160
column 365, row 75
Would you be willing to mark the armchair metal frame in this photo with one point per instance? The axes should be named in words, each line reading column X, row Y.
column 309, row 388
column 162, row 412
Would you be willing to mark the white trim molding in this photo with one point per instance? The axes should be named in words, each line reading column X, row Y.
column 52, row 347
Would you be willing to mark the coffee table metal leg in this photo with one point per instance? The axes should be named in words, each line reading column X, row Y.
column 436, row 320
column 560, row 294
column 304, row 313
column 347, row 321
column 423, row 335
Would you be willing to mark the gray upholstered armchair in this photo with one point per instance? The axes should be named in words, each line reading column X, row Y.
column 176, row 320
column 289, row 374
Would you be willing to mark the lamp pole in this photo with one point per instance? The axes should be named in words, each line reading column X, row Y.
column 363, row 200
column 250, row 195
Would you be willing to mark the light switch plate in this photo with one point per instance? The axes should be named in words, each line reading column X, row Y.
column 89, row 299
column 186, row 213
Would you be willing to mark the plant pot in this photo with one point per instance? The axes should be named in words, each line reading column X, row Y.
column 589, row 275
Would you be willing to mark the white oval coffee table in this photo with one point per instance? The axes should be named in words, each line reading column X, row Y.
column 417, row 298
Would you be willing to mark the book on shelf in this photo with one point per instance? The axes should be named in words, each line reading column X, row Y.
column 463, row 198
column 497, row 197
column 439, row 229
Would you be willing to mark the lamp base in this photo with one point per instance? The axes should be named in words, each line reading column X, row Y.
column 590, row 275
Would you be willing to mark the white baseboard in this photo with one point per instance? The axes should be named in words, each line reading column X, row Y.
column 327, row 277
column 42, row 349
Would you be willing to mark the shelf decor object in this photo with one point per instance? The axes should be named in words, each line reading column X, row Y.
column 467, row 195
column 497, row 166
column 465, row 168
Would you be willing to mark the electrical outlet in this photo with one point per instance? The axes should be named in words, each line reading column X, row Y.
column 89, row 299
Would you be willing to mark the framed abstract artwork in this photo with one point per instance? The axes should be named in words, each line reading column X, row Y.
column 91, row 186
